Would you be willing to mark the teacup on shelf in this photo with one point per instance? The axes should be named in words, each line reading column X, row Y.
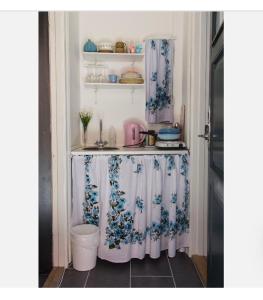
column 113, row 78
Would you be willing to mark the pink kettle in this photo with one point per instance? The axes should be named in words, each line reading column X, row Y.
column 132, row 135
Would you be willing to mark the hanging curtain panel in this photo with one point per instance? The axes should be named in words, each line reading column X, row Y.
column 159, row 81
column 140, row 203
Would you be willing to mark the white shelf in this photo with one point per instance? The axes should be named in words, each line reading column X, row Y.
column 100, row 56
column 114, row 85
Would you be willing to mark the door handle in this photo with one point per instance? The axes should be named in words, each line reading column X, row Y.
column 205, row 136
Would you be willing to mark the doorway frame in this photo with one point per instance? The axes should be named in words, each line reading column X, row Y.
column 60, row 138
column 198, row 103
column 198, row 85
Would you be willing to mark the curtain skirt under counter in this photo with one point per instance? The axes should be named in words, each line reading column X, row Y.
column 140, row 203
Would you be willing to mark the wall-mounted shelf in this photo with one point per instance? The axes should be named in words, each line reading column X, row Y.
column 99, row 56
column 114, row 85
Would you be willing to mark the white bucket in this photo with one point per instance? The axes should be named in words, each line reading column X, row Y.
column 84, row 241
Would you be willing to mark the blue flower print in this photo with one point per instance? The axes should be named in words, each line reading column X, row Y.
column 170, row 163
column 155, row 231
column 172, row 230
column 182, row 221
column 156, row 164
column 131, row 158
column 138, row 169
column 160, row 94
column 121, row 226
column 154, row 76
column 183, row 165
column 161, row 100
column 138, row 237
column 90, row 204
column 174, row 198
column 164, row 222
column 120, row 221
column 157, row 199
column 164, row 48
column 139, row 203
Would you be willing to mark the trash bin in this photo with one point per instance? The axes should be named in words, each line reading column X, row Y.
column 85, row 241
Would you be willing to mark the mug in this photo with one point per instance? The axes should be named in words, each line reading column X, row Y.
column 113, row 78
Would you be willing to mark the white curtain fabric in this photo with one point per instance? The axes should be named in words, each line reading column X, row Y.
column 140, row 203
column 159, row 57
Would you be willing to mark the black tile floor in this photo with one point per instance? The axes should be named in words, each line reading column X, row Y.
column 163, row 272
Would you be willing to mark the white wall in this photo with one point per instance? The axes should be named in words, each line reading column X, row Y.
column 114, row 106
column 73, row 53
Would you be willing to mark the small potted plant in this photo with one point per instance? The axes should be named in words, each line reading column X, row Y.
column 85, row 118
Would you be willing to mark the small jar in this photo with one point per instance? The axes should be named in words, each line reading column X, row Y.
column 151, row 138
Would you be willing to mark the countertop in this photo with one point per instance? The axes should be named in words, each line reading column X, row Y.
column 127, row 151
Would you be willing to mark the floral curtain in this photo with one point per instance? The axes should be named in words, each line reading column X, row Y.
column 159, row 81
column 140, row 203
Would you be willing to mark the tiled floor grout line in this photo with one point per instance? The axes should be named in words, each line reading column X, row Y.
column 155, row 276
column 170, row 269
column 62, row 277
column 198, row 274
column 86, row 281
column 137, row 278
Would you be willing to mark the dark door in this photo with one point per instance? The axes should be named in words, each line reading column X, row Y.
column 45, row 204
column 215, row 257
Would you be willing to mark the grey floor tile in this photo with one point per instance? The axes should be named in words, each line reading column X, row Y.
column 152, row 282
column 189, row 279
column 181, row 263
column 184, row 272
column 151, row 267
column 107, row 274
column 74, row 278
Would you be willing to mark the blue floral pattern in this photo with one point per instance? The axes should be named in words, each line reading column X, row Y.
column 90, row 205
column 157, row 199
column 174, row 198
column 172, row 230
column 156, row 164
column 139, row 203
column 138, row 237
column 170, row 163
column 170, row 212
column 155, row 231
column 160, row 79
column 120, row 222
column 182, row 214
column 138, row 169
column 164, row 222
column 154, row 76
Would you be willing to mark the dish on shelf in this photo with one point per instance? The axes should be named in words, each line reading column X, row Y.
column 105, row 47
column 131, row 80
column 132, row 77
